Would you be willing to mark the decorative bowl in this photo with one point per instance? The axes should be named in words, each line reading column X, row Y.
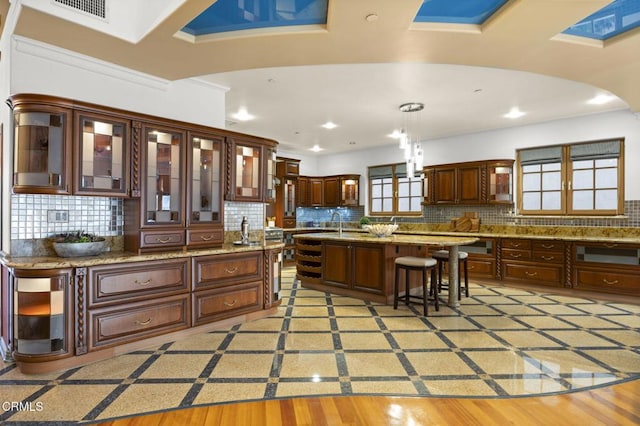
column 381, row 229
column 91, row 248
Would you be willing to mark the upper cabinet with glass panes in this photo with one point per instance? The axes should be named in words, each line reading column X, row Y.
column 102, row 149
column 251, row 169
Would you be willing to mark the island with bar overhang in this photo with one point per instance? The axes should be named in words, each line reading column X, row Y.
column 361, row 265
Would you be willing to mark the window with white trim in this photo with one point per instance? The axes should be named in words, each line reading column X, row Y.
column 392, row 192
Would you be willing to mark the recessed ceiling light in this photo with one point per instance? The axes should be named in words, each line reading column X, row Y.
column 243, row 115
column 316, row 148
column 514, row 113
column 329, row 125
column 600, row 99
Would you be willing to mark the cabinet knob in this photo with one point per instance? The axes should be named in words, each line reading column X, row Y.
column 143, row 283
column 230, row 304
column 607, row 282
column 206, row 238
column 548, row 257
column 163, row 240
column 515, row 255
column 145, row 322
column 231, row 270
column 531, row 274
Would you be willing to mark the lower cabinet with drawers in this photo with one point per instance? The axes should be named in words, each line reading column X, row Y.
column 540, row 262
column 68, row 317
column 607, row 267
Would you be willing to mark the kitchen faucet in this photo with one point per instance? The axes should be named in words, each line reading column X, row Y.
column 339, row 221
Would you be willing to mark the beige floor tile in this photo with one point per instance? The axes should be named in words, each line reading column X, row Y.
column 499, row 323
column 199, row 342
column 309, row 324
column 626, row 308
column 557, row 309
column 310, row 301
column 496, row 300
column 362, row 340
column 254, row 342
column 517, row 310
column 501, row 362
column 10, row 393
column 63, row 403
column 589, row 321
column 478, row 310
column 222, row 392
column 119, row 367
column 568, row 299
column 438, row 363
column 419, row 340
column 626, row 320
column 476, row 387
column 624, row 337
column 390, row 387
column 143, row 398
column 619, row 359
column 374, row 365
column 545, row 322
column 532, row 299
column 286, row 389
column 243, row 365
column 177, row 366
column 310, row 311
column 309, row 365
column 309, row 341
column 388, row 311
column 600, row 309
column 352, row 311
column 578, row 338
column 304, row 293
column 339, row 300
column 472, row 339
column 264, row 324
column 345, row 324
column 538, row 385
column 582, row 382
column 451, row 323
column 527, row 339
column 563, row 362
column 404, row 323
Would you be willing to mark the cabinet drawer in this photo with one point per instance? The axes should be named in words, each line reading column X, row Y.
column 548, row 257
column 509, row 254
column 135, row 321
column 289, row 223
column 161, row 239
column 221, row 270
column 607, row 281
column 216, row 304
column 546, row 275
column 555, row 246
column 133, row 282
column 481, row 268
column 205, row 238
column 516, row 244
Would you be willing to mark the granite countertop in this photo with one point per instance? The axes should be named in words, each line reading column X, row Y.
column 54, row 262
column 396, row 238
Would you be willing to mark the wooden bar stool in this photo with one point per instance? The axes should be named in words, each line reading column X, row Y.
column 442, row 256
column 410, row 263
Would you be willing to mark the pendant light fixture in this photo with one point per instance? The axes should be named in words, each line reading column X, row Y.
column 410, row 139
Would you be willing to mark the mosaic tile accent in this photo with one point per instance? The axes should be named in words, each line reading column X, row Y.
column 321, row 216
column 501, row 342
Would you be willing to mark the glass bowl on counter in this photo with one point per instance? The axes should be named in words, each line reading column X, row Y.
column 381, row 229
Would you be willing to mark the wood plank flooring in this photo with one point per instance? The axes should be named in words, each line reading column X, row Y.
column 613, row 405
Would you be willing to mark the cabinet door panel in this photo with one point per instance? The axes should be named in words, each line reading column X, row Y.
column 213, row 305
column 469, row 185
column 335, row 267
column 444, row 186
column 368, row 268
column 534, row 273
column 331, row 191
column 221, row 270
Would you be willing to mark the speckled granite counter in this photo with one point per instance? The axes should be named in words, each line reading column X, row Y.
column 54, row 262
column 396, row 238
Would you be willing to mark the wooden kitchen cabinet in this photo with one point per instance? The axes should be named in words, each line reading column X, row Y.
column 316, row 192
column 250, row 169
column 42, row 308
column 478, row 182
column 607, row 267
column 481, row 260
column 329, row 191
column 101, row 166
column 42, row 162
column 286, row 193
column 349, row 190
column 354, row 266
column 540, row 262
column 303, row 192
column 205, row 185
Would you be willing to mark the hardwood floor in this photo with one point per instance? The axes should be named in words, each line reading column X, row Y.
column 614, row 405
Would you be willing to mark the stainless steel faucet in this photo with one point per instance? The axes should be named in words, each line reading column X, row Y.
column 339, row 221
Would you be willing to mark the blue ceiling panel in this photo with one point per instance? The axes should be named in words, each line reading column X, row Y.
column 616, row 18
column 234, row 15
column 457, row 11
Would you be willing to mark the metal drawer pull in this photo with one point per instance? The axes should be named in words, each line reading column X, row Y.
column 231, row 270
column 548, row 257
column 147, row 282
column 530, row 274
column 230, row 304
column 607, row 282
column 203, row 238
column 471, row 267
column 516, row 255
column 609, row 245
column 515, row 244
column 160, row 240
column 548, row 246
column 143, row 322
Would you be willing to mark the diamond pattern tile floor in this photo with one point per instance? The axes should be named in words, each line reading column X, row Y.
column 500, row 342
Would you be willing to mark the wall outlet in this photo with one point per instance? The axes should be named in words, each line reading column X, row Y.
column 57, row 216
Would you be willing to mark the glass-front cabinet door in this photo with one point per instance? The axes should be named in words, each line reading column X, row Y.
column 42, row 150
column 500, row 185
column 247, row 171
column 102, row 165
column 164, row 182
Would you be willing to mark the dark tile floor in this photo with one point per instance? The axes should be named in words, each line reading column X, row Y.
column 501, row 342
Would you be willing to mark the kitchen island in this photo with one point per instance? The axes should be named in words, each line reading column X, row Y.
column 361, row 265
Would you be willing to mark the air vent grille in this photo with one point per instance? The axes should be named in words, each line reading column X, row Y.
column 92, row 7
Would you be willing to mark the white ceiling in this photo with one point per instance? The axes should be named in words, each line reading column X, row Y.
column 356, row 73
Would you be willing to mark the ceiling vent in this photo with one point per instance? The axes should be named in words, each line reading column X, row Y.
column 96, row 8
